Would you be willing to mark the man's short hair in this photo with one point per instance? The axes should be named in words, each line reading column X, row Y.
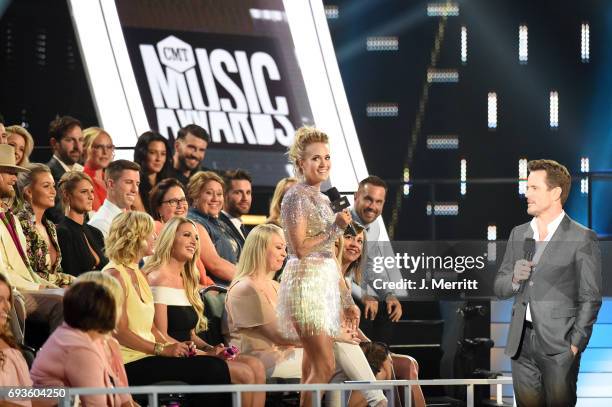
column 373, row 180
column 115, row 168
column 195, row 130
column 557, row 175
column 61, row 125
column 90, row 306
column 236, row 175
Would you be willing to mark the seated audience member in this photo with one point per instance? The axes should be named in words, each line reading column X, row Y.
column 277, row 198
column 82, row 244
column 189, row 152
column 166, row 200
column 42, row 248
column 152, row 153
column 82, row 352
column 41, row 305
column 404, row 367
column 253, row 326
column 151, row 357
column 122, row 180
column 238, row 198
column 205, row 196
column 13, row 367
column 99, row 151
column 179, row 310
column 22, row 142
column 66, row 141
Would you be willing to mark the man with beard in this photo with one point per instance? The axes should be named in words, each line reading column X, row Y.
column 189, row 151
column 237, row 203
column 66, row 141
column 41, row 305
column 122, row 181
column 369, row 203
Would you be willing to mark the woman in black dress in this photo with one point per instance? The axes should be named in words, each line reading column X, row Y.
column 82, row 244
column 179, row 311
column 152, row 153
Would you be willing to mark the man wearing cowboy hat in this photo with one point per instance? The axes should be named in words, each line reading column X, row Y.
column 41, row 303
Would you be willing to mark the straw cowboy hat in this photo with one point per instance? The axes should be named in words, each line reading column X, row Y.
column 7, row 160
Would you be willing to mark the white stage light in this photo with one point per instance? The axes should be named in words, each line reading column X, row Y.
column 554, row 109
column 492, row 110
column 584, row 164
column 585, row 42
column 463, row 176
column 332, row 12
column 491, row 232
column 523, row 46
column 463, row 44
column 522, row 175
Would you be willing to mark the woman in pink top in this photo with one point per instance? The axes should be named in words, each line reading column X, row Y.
column 80, row 353
column 13, row 367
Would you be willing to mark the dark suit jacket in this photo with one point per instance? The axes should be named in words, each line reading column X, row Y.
column 56, row 214
column 564, row 290
column 235, row 233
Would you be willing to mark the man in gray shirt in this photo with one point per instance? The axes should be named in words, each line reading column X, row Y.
column 368, row 206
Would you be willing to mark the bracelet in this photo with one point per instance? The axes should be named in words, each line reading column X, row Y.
column 158, row 348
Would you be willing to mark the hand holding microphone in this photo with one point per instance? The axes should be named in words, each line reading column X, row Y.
column 339, row 205
column 522, row 271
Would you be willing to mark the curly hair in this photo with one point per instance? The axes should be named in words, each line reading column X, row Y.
column 127, row 237
column 304, row 136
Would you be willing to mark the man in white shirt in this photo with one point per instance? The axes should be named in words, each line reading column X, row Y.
column 238, row 199
column 380, row 306
column 122, row 182
column 557, row 293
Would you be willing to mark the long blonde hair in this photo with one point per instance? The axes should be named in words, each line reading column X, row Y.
column 127, row 237
column 253, row 256
column 189, row 273
column 277, row 199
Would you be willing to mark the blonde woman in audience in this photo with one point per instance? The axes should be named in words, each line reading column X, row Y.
column 22, row 142
column 13, row 367
column 44, row 254
column 82, row 352
column 149, row 355
column 74, row 234
column 179, row 310
column 254, row 327
column 275, row 204
column 99, row 151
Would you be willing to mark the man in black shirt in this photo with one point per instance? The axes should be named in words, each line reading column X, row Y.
column 189, row 151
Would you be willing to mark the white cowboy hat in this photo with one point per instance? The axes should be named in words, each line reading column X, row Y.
column 7, row 159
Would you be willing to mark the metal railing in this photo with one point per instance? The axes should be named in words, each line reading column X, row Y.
column 236, row 390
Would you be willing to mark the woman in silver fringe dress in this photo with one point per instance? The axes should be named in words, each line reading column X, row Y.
column 311, row 305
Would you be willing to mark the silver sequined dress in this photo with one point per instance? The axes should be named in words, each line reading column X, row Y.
column 309, row 296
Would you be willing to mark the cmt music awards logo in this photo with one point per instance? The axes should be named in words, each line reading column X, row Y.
column 228, row 93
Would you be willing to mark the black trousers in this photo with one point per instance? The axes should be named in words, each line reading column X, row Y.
column 544, row 380
column 192, row 370
column 381, row 328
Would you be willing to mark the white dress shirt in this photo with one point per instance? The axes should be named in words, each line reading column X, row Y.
column 551, row 228
column 104, row 217
column 66, row 167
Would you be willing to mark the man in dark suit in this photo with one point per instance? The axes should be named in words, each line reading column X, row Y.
column 238, row 199
column 66, row 141
column 557, row 294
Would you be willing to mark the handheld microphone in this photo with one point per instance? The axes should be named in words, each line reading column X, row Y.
column 529, row 248
column 338, row 204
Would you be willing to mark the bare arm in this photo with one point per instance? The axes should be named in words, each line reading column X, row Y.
column 303, row 244
column 214, row 263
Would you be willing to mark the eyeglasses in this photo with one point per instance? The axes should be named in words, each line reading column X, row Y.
column 175, row 202
column 103, row 147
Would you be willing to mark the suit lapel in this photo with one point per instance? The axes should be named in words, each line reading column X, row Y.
column 558, row 236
